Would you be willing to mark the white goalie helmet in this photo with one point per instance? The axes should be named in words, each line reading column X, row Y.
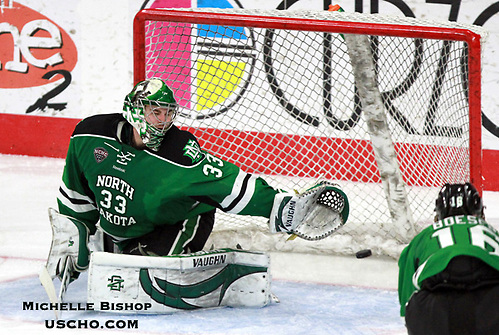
column 141, row 106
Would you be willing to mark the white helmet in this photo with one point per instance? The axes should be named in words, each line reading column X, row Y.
column 155, row 93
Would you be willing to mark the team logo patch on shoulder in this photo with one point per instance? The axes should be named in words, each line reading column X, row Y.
column 193, row 151
column 100, row 154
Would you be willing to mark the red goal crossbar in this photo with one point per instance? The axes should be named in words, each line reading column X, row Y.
column 343, row 27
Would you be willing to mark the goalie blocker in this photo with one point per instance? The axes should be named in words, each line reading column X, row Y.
column 141, row 284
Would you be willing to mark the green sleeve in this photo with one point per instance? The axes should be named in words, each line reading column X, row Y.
column 75, row 198
column 232, row 190
column 407, row 268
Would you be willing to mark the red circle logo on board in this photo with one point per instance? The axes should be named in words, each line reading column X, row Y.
column 32, row 45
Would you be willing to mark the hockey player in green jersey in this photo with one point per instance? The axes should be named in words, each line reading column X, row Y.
column 449, row 273
column 150, row 188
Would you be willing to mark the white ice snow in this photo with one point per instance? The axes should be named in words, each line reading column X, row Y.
column 320, row 294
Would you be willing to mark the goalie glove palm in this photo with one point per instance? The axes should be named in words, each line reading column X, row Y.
column 313, row 214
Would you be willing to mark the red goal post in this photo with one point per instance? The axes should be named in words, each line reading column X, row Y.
column 247, row 91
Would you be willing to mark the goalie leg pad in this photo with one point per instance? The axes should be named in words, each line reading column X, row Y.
column 69, row 238
column 146, row 284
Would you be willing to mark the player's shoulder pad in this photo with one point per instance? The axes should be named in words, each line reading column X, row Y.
column 181, row 147
column 101, row 124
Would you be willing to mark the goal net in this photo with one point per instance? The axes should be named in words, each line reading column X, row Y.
column 386, row 107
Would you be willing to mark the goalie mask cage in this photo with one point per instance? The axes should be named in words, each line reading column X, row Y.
column 284, row 96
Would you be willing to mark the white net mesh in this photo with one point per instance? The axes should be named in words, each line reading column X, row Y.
column 283, row 104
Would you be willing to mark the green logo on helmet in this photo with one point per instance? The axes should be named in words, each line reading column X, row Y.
column 155, row 93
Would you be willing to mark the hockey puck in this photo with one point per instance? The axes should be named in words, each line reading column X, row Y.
column 363, row 253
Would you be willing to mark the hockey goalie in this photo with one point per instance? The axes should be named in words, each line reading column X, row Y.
column 152, row 192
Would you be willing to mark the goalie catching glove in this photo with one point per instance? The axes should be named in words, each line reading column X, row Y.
column 69, row 244
column 311, row 215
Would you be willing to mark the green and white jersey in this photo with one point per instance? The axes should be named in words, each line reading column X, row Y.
column 130, row 191
column 431, row 250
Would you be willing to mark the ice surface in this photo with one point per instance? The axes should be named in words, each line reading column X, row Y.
column 318, row 294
